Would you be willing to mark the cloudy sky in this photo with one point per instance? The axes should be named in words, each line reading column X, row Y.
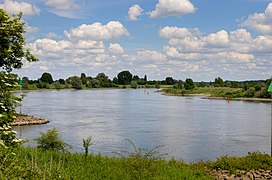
column 179, row 38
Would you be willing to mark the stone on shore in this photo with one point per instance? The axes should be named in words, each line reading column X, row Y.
column 28, row 120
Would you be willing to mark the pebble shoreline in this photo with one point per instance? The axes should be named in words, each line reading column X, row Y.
column 243, row 175
column 22, row 120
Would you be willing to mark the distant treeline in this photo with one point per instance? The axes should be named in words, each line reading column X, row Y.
column 126, row 79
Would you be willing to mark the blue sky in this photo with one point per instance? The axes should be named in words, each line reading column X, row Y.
column 179, row 38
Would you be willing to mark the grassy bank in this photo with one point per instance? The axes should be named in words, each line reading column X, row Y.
column 225, row 92
column 33, row 163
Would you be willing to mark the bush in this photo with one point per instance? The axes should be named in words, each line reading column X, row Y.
column 250, row 92
column 50, row 140
column 134, row 85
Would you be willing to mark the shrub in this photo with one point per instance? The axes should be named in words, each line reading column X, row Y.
column 86, row 144
column 134, row 85
column 50, row 140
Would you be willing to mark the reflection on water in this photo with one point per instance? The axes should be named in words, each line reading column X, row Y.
column 191, row 128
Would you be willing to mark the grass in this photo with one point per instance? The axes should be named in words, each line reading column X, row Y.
column 34, row 163
column 224, row 92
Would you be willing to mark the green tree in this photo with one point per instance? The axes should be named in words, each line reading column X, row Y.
column 135, row 78
column 12, row 52
column 47, row 78
column 115, row 80
column 189, row 84
column 169, row 81
column 218, row 82
column 124, row 77
column 145, row 78
column 75, row 81
column 83, row 78
column 202, row 84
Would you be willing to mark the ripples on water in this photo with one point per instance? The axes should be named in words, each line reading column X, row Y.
column 191, row 128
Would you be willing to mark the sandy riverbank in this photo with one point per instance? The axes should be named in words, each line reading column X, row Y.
column 22, row 120
column 209, row 96
column 239, row 99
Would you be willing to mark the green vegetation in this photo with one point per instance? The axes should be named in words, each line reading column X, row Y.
column 50, row 140
column 253, row 161
column 219, row 88
column 124, row 79
column 12, row 52
column 50, row 163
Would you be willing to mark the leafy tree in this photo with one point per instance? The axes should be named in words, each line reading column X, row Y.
column 135, row 78
column 218, row 82
column 145, row 78
column 169, row 81
column 104, row 81
column 47, row 78
column 83, row 78
column 75, row 81
column 189, row 84
column 12, row 52
column 12, row 49
column 202, row 84
column 61, row 81
column 124, row 77
column 25, row 79
column 115, row 80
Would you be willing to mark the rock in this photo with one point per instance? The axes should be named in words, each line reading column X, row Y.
column 28, row 120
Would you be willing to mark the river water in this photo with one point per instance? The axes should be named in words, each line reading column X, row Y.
column 190, row 128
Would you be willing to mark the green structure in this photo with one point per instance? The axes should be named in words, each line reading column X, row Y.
column 270, row 88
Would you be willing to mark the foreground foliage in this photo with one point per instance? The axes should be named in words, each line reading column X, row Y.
column 12, row 52
column 34, row 163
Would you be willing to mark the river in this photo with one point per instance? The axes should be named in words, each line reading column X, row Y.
column 190, row 128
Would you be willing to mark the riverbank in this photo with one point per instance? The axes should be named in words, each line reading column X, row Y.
column 239, row 99
column 34, row 163
column 22, row 120
column 218, row 93
column 209, row 96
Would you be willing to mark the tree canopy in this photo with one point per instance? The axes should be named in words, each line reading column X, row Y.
column 47, row 78
column 12, row 52
column 124, row 77
column 12, row 42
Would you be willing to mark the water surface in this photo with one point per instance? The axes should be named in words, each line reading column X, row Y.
column 191, row 128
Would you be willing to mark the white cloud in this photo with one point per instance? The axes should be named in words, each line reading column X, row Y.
column 148, row 55
column 97, row 31
column 174, row 32
column 44, row 68
column 62, row 4
column 14, row 7
column 116, row 49
column 241, row 36
column 261, row 22
column 217, row 40
column 31, row 30
column 63, row 8
column 172, row 7
column 134, row 12
column 88, row 44
column 51, row 35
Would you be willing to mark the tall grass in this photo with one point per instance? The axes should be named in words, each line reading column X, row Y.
column 34, row 163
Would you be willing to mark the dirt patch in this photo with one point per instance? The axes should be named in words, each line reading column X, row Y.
column 28, row 120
